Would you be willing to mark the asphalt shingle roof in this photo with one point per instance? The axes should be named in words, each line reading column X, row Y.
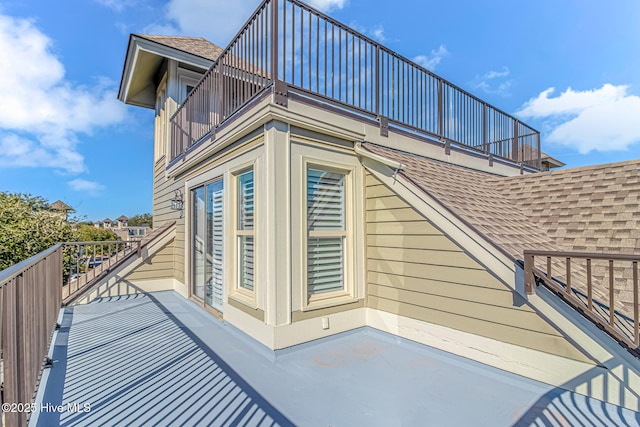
column 194, row 45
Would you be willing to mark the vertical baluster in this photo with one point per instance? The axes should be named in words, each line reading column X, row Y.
column 589, row 286
column 568, row 288
column 634, row 266
column 333, row 60
column 309, row 60
column 611, row 295
column 293, row 43
column 318, row 53
column 325, row 58
column 353, row 69
column 340, row 73
column 301, row 47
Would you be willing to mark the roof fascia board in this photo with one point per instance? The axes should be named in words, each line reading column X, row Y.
column 172, row 53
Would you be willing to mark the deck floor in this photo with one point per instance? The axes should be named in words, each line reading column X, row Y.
column 159, row 359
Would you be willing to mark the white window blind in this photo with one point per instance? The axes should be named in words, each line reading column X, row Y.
column 245, row 231
column 216, row 233
column 326, row 231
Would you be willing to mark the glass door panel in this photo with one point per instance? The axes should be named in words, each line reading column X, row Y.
column 199, row 241
column 214, row 266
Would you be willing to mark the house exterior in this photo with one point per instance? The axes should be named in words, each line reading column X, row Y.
column 62, row 208
column 386, row 197
column 122, row 228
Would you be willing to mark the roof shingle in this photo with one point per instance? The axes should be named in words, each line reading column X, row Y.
column 194, row 45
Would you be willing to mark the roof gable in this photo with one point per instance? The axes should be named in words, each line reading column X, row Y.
column 147, row 53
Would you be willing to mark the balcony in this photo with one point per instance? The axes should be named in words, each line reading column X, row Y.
column 296, row 51
column 158, row 358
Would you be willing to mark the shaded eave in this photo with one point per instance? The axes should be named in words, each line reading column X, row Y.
column 551, row 162
column 144, row 58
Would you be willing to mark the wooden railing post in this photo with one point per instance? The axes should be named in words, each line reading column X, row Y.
column 529, row 279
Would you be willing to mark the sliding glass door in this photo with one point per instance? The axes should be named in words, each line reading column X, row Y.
column 208, row 243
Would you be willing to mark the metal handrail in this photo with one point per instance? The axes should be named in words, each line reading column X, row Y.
column 30, row 298
column 572, row 286
column 288, row 41
column 15, row 270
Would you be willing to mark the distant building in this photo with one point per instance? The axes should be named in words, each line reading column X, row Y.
column 122, row 221
column 122, row 229
column 62, row 208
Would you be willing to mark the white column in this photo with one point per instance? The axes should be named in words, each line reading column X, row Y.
column 277, row 236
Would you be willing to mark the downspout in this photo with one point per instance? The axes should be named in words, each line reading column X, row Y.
column 396, row 166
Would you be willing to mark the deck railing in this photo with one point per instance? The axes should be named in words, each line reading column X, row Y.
column 84, row 262
column 603, row 286
column 289, row 42
column 30, row 299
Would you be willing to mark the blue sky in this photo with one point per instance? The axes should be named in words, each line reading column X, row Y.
column 568, row 68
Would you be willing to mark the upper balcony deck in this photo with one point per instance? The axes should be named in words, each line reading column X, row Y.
column 292, row 48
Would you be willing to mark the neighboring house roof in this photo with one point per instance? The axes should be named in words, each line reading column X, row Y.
column 122, row 218
column 193, row 45
column 587, row 209
column 59, row 205
column 550, row 162
column 106, row 220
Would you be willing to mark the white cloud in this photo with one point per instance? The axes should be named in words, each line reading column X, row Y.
column 376, row 32
column 603, row 119
column 216, row 20
column 494, row 82
column 89, row 187
column 430, row 62
column 41, row 113
column 117, row 5
column 327, row 5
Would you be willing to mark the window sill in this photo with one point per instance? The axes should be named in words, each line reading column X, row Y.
column 249, row 301
column 329, row 302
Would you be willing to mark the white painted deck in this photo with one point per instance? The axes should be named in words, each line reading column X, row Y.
column 159, row 359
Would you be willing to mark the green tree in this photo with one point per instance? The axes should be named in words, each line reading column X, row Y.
column 142, row 219
column 28, row 226
column 89, row 233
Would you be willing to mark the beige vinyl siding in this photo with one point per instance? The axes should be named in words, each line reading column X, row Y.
column 415, row 271
column 163, row 192
column 157, row 266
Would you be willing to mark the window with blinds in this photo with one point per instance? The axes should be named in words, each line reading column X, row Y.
column 244, row 231
column 326, row 231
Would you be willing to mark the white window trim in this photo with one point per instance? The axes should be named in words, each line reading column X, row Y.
column 348, row 293
column 186, row 78
column 236, row 291
column 161, row 124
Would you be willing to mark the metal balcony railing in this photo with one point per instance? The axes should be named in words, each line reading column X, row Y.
column 604, row 287
column 287, row 41
column 31, row 294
